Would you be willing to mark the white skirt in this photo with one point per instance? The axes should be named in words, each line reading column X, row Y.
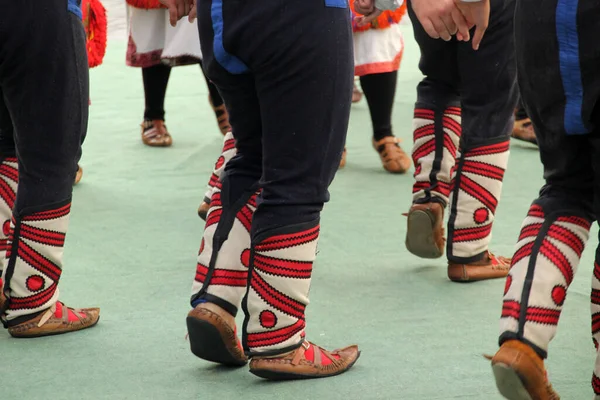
column 152, row 39
column 378, row 50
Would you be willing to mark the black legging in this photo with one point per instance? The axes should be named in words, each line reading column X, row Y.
column 156, row 79
column 380, row 89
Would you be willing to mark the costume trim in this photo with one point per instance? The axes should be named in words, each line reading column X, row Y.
column 380, row 67
column 96, row 27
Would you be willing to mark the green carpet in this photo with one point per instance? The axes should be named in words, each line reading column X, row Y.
column 134, row 237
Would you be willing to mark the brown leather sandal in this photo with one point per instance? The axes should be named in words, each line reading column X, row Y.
column 520, row 373
column 523, row 130
column 393, row 158
column 155, row 134
column 490, row 267
column 306, row 362
column 212, row 338
column 78, row 175
column 356, row 94
column 425, row 232
column 343, row 160
column 203, row 210
column 222, row 117
column 57, row 320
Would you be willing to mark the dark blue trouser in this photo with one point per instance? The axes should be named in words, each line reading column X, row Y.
column 284, row 68
column 43, row 98
column 559, row 80
column 483, row 82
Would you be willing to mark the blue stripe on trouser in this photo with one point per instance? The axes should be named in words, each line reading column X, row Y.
column 568, row 50
column 232, row 64
column 336, row 3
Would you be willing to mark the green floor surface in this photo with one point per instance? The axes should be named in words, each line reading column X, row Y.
column 134, row 237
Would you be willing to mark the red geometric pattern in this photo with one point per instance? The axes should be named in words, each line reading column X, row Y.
column 49, row 215
column 273, row 338
column 247, row 212
column 540, row 315
column 9, row 178
column 227, row 153
column 35, row 283
column 596, row 384
column 227, row 276
column 477, row 185
column 426, row 156
column 283, row 268
column 267, row 319
column 38, row 265
column 595, row 312
column 215, row 210
column 279, row 284
column 552, row 267
column 277, row 299
column 288, row 240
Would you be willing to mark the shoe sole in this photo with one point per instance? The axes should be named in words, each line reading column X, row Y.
column 419, row 235
column 207, row 343
column 50, row 333
column 287, row 376
column 509, row 383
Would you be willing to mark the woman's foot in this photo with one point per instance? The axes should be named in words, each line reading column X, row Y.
column 78, row 175
column 393, row 158
column 343, row 160
column 155, row 134
column 356, row 94
column 523, row 130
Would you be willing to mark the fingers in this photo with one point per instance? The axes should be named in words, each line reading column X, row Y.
column 478, row 35
column 462, row 26
column 193, row 12
column 430, row 29
column 441, row 29
column 173, row 14
column 450, row 24
column 181, row 6
column 368, row 18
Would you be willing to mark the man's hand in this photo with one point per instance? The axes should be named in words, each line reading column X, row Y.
column 441, row 19
column 179, row 9
column 476, row 14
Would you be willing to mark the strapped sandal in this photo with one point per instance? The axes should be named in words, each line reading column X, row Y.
column 490, row 267
column 393, row 158
column 343, row 160
column 203, row 209
column 212, row 339
column 155, row 134
column 57, row 320
column 78, row 175
column 306, row 362
column 523, row 130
